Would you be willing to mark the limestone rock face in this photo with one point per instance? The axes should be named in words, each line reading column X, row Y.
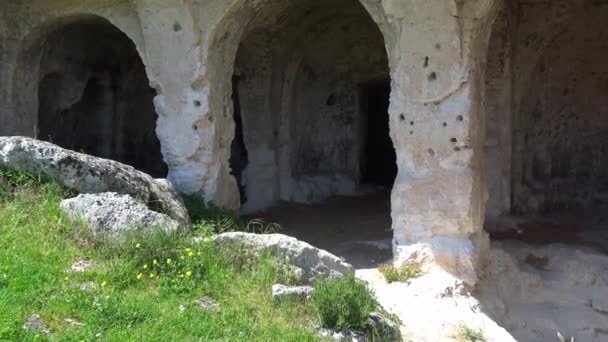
column 86, row 174
column 315, row 263
column 112, row 213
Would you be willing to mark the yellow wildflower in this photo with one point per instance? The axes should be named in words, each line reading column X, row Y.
column 152, row 275
column 66, row 278
column 155, row 262
column 189, row 273
column 103, row 284
column 138, row 245
column 181, row 276
column 207, row 239
column 169, row 261
column 145, row 266
column 139, row 276
column 182, row 257
column 187, row 249
column 199, row 253
column 191, row 254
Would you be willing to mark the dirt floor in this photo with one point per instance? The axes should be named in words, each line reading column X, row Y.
column 357, row 228
column 587, row 228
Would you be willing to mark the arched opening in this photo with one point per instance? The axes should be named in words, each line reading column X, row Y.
column 311, row 91
column 94, row 95
column 550, row 114
column 546, row 165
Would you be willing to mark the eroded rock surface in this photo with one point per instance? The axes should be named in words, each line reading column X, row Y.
column 86, row 174
column 566, row 292
column 314, row 262
column 112, row 213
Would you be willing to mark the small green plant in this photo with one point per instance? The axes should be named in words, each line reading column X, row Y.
column 209, row 220
column 404, row 273
column 287, row 274
column 206, row 214
column 344, row 303
column 468, row 334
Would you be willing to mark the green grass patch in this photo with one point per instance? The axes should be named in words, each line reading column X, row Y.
column 466, row 334
column 136, row 285
column 402, row 274
column 343, row 303
column 209, row 219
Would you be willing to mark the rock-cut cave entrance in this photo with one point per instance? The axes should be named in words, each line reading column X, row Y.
column 94, row 95
column 547, row 130
column 379, row 160
column 312, row 150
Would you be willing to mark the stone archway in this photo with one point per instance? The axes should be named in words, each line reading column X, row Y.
column 310, row 98
column 90, row 92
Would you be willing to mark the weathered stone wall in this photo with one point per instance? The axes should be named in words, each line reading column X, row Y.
column 436, row 54
column 562, row 122
column 498, row 144
column 544, row 107
column 8, row 47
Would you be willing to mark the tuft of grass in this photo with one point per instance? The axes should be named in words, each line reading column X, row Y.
column 125, row 295
column 344, row 303
column 208, row 219
column 468, row 334
column 402, row 274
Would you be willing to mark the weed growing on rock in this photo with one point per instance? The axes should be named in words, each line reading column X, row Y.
column 402, row 274
column 468, row 334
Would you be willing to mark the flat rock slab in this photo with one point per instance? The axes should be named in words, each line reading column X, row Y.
column 281, row 292
column 207, row 303
column 86, row 174
column 113, row 213
column 315, row 263
column 35, row 323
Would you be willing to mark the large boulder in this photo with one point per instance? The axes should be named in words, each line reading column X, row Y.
column 87, row 174
column 314, row 263
column 112, row 213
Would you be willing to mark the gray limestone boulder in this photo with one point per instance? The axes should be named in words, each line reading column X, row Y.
column 112, row 213
column 87, row 174
column 314, row 263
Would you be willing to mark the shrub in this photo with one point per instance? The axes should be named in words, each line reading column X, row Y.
column 204, row 214
column 343, row 303
column 402, row 274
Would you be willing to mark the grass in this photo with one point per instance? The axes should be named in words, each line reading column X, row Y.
column 344, row 303
column 402, row 274
column 138, row 282
column 209, row 219
column 467, row 334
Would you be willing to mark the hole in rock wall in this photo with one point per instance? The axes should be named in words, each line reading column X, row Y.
column 238, row 155
column 312, row 149
column 94, row 95
column 380, row 159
